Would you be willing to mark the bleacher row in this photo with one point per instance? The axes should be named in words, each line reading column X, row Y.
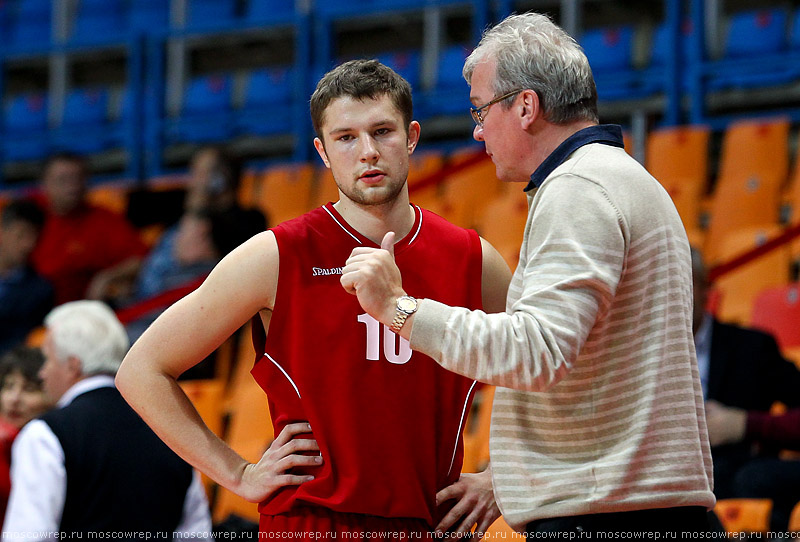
column 753, row 199
column 759, row 48
column 770, row 37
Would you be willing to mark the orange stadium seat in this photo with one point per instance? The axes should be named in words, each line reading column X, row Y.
column 36, row 337
column 466, row 193
column 744, row 515
column 324, row 188
column 794, row 519
column 791, row 200
column 111, row 197
column 427, row 195
column 739, row 288
column 793, row 193
column 678, row 158
column 249, row 186
column 476, row 432
column 500, row 529
column 502, row 223
column 250, row 434
column 207, row 398
column 424, row 164
column 285, row 192
column 753, row 170
column 777, row 311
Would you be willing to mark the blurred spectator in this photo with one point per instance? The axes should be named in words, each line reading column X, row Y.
column 25, row 297
column 743, row 374
column 212, row 183
column 92, row 465
column 201, row 239
column 84, row 250
column 21, row 400
column 214, row 178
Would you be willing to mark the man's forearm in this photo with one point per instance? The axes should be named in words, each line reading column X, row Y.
column 161, row 402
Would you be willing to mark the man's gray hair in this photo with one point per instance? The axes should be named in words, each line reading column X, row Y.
column 532, row 52
column 90, row 332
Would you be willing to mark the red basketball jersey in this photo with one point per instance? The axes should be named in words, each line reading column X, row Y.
column 388, row 420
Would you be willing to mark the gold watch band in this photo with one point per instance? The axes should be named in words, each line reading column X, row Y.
column 399, row 319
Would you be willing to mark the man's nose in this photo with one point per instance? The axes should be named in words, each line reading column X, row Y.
column 369, row 151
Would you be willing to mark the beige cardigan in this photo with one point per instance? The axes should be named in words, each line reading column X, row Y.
column 606, row 412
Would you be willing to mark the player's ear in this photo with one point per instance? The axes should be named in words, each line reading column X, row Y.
column 320, row 146
column 413, row 135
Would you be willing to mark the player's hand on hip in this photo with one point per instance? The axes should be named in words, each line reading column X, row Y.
column 475, row 504
column 262, row 479
column 372, row 275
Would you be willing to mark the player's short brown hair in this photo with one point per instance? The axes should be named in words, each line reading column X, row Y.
column 360, row 79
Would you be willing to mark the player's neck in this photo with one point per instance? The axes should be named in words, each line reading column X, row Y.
column 373, row 221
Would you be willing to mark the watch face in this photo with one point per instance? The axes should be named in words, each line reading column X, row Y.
column 407, row 304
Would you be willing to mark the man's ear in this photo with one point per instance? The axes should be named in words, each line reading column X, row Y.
column 75, row 366
column 320, row 146
column 530, row 108
column 413, row 135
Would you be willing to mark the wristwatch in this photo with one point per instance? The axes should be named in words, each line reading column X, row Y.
column 406, row 306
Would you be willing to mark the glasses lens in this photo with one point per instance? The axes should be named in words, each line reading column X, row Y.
column 476, row 116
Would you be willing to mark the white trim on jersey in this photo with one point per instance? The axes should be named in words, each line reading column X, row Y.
column 419, row 227
column 461, row 425
column 289, row 378
column 340, row 225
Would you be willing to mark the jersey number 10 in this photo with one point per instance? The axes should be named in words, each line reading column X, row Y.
column 390, row 349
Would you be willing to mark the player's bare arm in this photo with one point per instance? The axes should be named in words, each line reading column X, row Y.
column 241, row 285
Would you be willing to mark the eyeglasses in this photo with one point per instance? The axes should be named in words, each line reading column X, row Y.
column 480, row 111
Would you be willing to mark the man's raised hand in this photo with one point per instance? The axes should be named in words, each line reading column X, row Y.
column 372, row 275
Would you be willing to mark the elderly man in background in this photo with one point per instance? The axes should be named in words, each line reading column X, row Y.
column 92, row 465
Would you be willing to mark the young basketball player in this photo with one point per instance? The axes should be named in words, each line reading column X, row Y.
column 369, row 432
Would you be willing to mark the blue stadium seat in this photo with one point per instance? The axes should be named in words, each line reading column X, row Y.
column 84, row 126
column 208, row 94
column 97, row 20
column 25, row 127
column 5, row 17
column 30, row 24
column 267, row 101
column 269, row 87
column 794, row 35
column 264, row 10
column 406, row 63
column 757, row 32
column 451, row 64
column 661, row 48
column 609, row 48
column 26, row 112
column 451, row 95
column 148, row 15
column 206, row 13
column 85, row 106
column 752, row 57
column 206, row 111
column 610, row 54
